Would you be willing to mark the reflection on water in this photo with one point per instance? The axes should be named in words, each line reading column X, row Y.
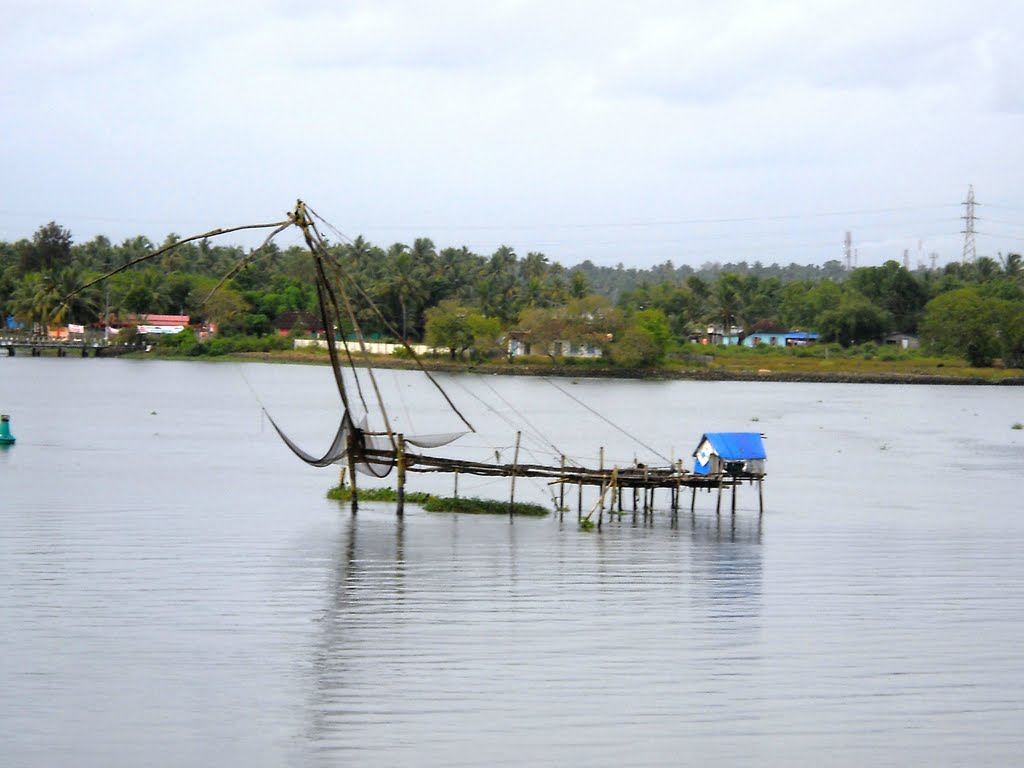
column 175, row 589
column 496, row 630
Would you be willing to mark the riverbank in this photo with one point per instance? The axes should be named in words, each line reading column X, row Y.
column 723, row 368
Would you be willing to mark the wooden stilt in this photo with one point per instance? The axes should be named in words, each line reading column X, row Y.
column 400, row 464
column 455, row 490
column 734, row 497
column 352, row 468
column 604, row 483
column 579, row 502
column 718, row 505
column 693, row 500
column 561, row 488
column 679, row 475
column 512, row 495
column 760, row 496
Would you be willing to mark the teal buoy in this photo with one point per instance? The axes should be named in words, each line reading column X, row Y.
column 6, row 438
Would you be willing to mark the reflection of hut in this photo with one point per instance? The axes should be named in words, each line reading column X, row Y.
column 732, row 453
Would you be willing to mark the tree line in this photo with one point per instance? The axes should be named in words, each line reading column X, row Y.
column 468, row 302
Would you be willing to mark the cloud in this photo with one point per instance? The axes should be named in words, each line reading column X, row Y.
column 562, row 123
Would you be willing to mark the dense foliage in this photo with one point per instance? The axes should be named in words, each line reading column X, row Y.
column 466, row 302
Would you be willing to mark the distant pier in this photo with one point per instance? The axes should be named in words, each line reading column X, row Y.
column 36, row 347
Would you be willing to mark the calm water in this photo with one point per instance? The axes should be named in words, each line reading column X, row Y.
column 175, row 590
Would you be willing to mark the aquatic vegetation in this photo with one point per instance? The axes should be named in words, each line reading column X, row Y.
column 344, row 493
column 469, row 506
column 472, row 506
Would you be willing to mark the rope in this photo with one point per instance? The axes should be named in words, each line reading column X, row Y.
column 606, row 420
column 537, row 432
column 493, row 410
column 279, row 225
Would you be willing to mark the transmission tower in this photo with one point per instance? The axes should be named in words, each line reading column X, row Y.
column 848, row 251
column 970, row 251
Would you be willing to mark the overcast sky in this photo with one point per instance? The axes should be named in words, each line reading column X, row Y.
column 620, row 132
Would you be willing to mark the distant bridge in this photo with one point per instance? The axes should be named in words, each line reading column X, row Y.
column 37, row 346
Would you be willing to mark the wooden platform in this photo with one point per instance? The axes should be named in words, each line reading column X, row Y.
column 641, row 480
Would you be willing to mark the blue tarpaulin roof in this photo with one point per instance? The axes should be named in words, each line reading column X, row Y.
column 733, row 446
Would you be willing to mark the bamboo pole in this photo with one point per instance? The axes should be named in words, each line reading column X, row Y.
column 352, row 467
column 604, row 483
column 734, row 484
column 561, row 488
column 400, row 462
column 675, row 496
column 512, row 495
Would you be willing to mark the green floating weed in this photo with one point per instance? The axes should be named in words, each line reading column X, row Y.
column 471, row 506
column 1018, row 425
column 375, row 494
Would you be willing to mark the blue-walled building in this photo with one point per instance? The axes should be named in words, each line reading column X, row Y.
column 730, row 452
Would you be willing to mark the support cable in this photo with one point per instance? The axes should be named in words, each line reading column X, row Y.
column 606, row 420
column 278, row 225
column 537, row 433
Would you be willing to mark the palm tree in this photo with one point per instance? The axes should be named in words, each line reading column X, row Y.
column 405, row 282
column 1013, row 265
column 727, row 298
column 40, row 298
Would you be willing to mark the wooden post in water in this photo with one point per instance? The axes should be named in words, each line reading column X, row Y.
column 579, row 501
column 734, row 495
column 760, row 496
column 515, row 463
column 604, row 482
column 646, row 490
column 675, row 496
column 561, row 488
column 455, row 490
column 718, row 506
column 351, row 440
column 400, row 462
column 693, row 500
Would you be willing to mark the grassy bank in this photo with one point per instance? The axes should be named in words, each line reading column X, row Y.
column 867, row 363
